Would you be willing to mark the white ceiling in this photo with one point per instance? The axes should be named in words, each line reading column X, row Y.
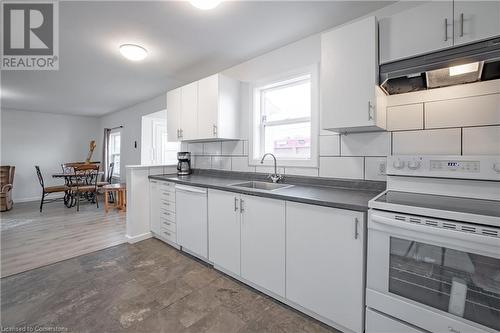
column 184, row 44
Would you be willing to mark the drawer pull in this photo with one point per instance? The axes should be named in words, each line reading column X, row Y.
column 167, row 233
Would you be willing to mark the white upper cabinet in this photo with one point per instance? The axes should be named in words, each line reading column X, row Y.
column 349, row 78
column 189, row 113
column 208, row 106
column 208, row 109
column 174, row 115
column 476, row 20
column 421, row 29
column 436, row 25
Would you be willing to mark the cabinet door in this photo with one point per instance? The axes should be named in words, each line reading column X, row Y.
column 421, row 29
column 349, row 72
column 224, row 230
column 208, row 107
column 475, row 20
column 173, row 114
column 154, row 207
column 324, row 265
column 263, row 242
column 189, row 118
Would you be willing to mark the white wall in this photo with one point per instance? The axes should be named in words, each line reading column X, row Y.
column 130, row 118
column 47, row 140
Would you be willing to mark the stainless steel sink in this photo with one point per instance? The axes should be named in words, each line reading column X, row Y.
column 263, row 186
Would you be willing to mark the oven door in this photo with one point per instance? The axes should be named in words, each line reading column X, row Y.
column 438, row 275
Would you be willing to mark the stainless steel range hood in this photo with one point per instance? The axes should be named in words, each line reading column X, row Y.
column 478, row 61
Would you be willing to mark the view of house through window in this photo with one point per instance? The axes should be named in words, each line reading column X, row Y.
column 155, row 149
column 283, row 109
column 114, row 151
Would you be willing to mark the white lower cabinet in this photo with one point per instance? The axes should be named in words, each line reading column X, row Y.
column 263, row 242
column 154, row 207
column 162, row 210
column 325, row 262
column 224, row 230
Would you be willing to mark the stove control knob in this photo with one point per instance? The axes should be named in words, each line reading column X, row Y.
column 414, row 165
column 496, row 167
column 398, row 164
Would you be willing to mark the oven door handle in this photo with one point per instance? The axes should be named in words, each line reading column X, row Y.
column 387, row 225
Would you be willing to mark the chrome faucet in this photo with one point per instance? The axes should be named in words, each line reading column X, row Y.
column 276, row 177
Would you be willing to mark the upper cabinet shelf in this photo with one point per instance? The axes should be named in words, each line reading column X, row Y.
column 204, row 110
column 436, row 25
column 351, row 100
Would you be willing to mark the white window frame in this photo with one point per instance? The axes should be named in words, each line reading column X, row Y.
column 256, row 130
column 116, row 171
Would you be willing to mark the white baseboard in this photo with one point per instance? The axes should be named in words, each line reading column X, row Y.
column 138, row 238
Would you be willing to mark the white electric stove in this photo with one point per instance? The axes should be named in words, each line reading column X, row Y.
column 434, row 246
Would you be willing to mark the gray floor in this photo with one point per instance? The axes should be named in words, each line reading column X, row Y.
column 145, row 287
column 31, row 239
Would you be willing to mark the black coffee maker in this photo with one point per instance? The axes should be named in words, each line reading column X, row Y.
column 184, row 163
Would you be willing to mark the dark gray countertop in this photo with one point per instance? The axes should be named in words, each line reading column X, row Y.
column 352, row 195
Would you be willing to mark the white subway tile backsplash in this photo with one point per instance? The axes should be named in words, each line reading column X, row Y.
column 481, row 140
column 341, row 167
column 195, row 148
column 366, row 144
column 329, row 145
column 221, row 163
column 313, row 172
column 405, row 117
column 202, row 162
column 212, row 148
column 233, row 148
column 240, row 163
column 375, row 168
column 430, row 142
column 470, row 111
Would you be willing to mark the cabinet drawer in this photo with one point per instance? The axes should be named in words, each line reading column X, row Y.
column 165, row 214
column 169, row 235
column 168, row 225
column 167, row 195
column 167, row 186
column 167, row 205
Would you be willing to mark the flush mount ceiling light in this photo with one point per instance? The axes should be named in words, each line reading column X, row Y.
column 133, row 52
column 205, row 4
column 463, row 69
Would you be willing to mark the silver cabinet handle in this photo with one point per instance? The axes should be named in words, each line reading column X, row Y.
column 461, row 24
column 445, row 29
column 370, row 116
column 356, row 223
column 235, row 204
column 242, row 209
column 214, row 130
column 178, row 134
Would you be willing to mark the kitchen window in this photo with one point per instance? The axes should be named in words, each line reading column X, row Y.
column 114, row 152
column 285, row 112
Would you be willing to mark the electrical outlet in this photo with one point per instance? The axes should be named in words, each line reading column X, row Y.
column 382, row 168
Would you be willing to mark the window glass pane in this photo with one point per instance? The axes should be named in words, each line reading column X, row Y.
column 287, row 102
column 290, row 141
column 116, row 160
column 464, row 284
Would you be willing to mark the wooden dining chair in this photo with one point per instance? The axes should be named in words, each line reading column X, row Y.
column 46, row 190
column 84, row 183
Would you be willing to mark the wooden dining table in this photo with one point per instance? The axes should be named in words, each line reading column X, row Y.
column 69, row 197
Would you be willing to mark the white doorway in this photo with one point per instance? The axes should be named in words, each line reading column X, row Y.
column 155, row 149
